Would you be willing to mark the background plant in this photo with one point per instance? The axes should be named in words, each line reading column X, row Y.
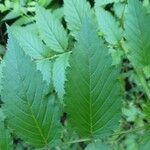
column 75, row 75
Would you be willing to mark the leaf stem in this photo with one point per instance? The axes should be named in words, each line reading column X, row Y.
column 77, row 141
column 132, row 130
column 143, row 82
column 53, row 57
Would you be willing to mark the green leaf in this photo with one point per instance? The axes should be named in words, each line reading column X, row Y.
column 104, row 2
column 32, row 112
column 51, row 30
column 109, row 26
column 144, row 146
column 75, row 11
column 5, row 139
column 59, row 73
column 34, row 47
column 29, row 42
column 2, row 49
column 45, row 66
column 92, row 99
column 12, row 15
column 23, row 21
column 146, row 71
column 119, row 9
column 137, row 31
column 44, row 2
column 147, row 110
column 1, row 74
column 98, row 145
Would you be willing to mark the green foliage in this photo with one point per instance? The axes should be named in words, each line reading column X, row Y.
column 59, row 74
column 79, row 9
column 105, row 20
column 74, row 74
column 51, row 30
column 137, row 31
column 94, row 103
column 32, row 111
column 5, row 139
column 97, row 146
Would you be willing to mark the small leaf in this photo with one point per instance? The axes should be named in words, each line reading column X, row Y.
column 59, row 73
column 104, row 2
column 44, row 2
column 137, row 31
column 5, row 138
column 98, row 145
column 75, row 11
column 108, row 25
column 51, row 30
column 45, row 66
column 34, row 47
column 29, row 42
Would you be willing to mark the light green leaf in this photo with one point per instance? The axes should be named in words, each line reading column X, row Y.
column 146, row 71
column 119, row 9
column 117, row 56
column 31, row 111
column 1, row 74
column 75, row 11
column 51, row 30
column 59, row 73
column 98, row 146
column 145, row 146
column 5, row 139
column 45, row 66
column 109, row 26
column 34, row 47
column 92, row 99
column 2, row 49
column 23, row 21
column 12, row 15
column 44, row 2
column 137, row 31
column 104, row 2
column 29, row 42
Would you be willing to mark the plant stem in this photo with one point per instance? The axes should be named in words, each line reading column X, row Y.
column 132, row 130
column 143, row 82
column 77, row 141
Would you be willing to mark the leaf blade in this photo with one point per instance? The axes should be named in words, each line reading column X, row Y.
column 75, row 11
column 31, row 112
column 5, row 138
column 51, row 30
column 137, row 33
column 90, row 91
column 109, row 26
